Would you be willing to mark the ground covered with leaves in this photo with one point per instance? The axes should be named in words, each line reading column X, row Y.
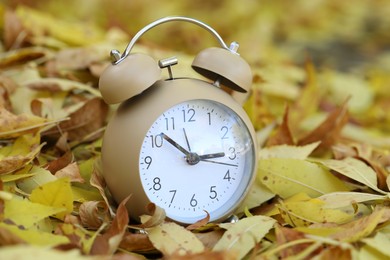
column 320, row 104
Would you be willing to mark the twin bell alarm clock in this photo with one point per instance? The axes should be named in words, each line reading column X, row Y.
column 183, row 144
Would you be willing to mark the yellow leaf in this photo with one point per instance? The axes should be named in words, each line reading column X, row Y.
column 343, row 199
column 380, row 242
column 302, row 213
column 286, row 177
column 19, row 154
column 57, row 193
column 23, row 252
column 257, row 195
column 171, row 238
column 288, row 151
column 41, row 24
column 26, row 213
column 354, row 169
column 40, row 177
column 16, row 125
column 242, row 236
column 362, row 227
column 35, row 237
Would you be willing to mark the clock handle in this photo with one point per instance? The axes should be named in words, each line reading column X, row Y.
column 117, row 57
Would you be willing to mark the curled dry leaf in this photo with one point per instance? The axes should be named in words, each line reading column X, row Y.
column 109, row 242
column 71, row 171
column 93, row 214
column 156, row 217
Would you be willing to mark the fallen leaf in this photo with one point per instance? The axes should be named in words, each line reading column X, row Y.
column 108, row 243
column 304, row 213
column 199, row 223
column 71, row 171
column 363, row 227
column 288, row 151
column 25, row 213
column 84, row 121
column 156, row 217
column 380, row 242
column 286, row 177
column 328, row 132
column 344, row 199
column 56, row 193
column 12, row 126
column 20, row 153
column 136, row 242
column 243, row 235
column 93, row 214
column 283, row 134
column 171, row 239
column 355, row 170
column 35, row 237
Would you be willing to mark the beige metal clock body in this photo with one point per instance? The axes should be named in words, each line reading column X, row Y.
column 184, row 145
column 181, row 143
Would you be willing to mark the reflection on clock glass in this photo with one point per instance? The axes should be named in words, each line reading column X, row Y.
column 197, row 157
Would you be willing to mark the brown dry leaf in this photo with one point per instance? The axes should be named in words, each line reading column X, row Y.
column 8, row 238
column 20, row 153
column 99, row 183
column 208, row 255
column 200, row 223
column 136, row 242
column 285, row 235
column 5, row 101
column 308, row 101
column 328, row 132
column 156, row 217
column 60, row 162
column 283, row 134
column 71, row 171
column 363, row 227
column 86, row 120
column 14, row 33
column 93, row 214
column 20, row 57
column 108, row 243
column 12, row 125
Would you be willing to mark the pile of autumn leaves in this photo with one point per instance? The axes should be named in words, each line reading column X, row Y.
column 320, row 191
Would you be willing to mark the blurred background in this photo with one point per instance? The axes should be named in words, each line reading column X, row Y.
column 344, row 35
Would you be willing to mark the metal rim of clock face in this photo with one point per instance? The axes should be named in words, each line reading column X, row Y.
column 197, row 157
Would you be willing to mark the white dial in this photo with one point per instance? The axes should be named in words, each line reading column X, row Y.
column 197, row 157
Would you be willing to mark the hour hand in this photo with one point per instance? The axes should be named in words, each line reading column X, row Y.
column 211, row 156
column 175, row 144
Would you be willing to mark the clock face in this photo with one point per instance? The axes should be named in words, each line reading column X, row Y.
column 197, row 157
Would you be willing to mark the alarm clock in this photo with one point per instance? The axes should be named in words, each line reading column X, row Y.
column 181, row 143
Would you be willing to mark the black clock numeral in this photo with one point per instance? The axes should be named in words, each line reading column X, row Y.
column 193, row 201
column 157, row 140
column 148, row 160
column 170, row 123
column 156, row 183
column 188, row 116
column 209, row 115
column 224, row 130
column 173, row 194
column 227, row 176
column 213, row 192
column 233, row 154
